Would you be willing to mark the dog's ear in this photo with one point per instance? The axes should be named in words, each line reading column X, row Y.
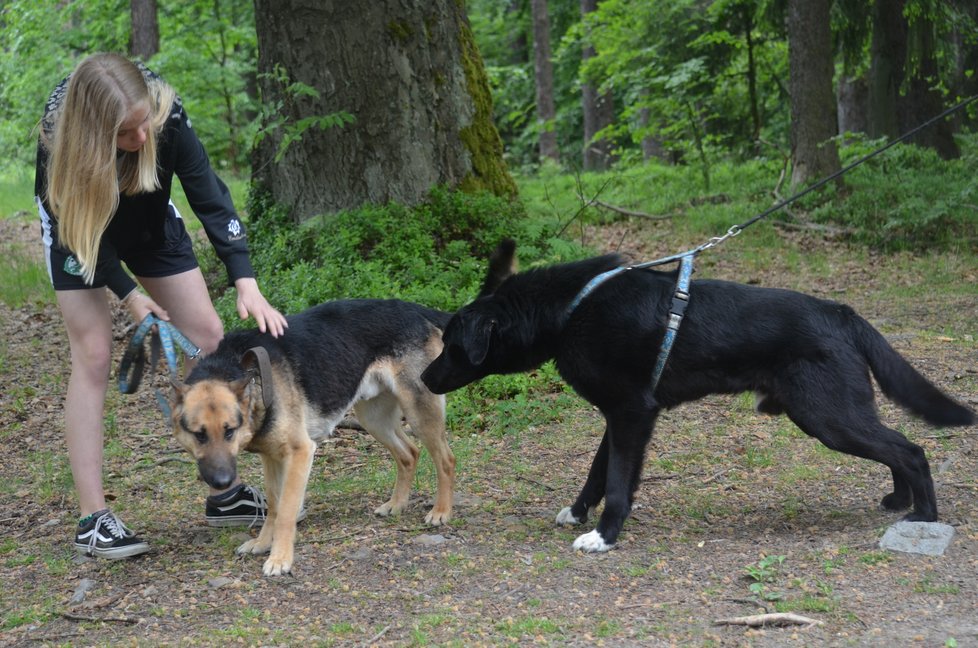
column 180, row 389
column 477, row 331
column 502, row 264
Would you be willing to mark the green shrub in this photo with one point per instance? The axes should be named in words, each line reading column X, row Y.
column 433, row 253
column 908, row 198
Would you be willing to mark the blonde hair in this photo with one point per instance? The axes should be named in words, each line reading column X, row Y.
column 83, row 179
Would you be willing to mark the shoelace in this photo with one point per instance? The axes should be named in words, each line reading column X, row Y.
column 112, row 524
column 260, row 506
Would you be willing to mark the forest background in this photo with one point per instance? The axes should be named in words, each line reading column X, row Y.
column 642, row 127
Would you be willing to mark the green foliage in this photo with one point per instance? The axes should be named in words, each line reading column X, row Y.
column 763, row 573
column 433, row 253
column 907, row 198
column 277, row 115
column 208, row 53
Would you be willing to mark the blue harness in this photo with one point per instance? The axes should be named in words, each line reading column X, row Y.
column 164, row 337
column 680, row 300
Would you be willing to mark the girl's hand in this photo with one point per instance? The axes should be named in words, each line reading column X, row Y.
column 252, row 302
column 140, row 305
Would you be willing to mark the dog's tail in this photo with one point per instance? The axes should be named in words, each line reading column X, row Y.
column 904, row 385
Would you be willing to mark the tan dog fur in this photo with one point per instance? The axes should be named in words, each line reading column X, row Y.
column 204, row 412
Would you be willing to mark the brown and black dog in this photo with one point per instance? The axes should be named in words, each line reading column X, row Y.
column 278, row 396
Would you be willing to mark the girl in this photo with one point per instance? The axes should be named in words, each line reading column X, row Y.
column 112, row 137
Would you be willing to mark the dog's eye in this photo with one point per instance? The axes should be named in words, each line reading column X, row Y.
column 201, row 437
column 228, row 433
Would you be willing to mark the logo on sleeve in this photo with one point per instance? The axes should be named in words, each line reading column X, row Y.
column 235, row 231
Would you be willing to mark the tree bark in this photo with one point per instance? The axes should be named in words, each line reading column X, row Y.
column 409, row 73
column 888, row 51
column 145, row 33
column 598, row 110
column 543, row 72
column 923, row 101
column 853, row 99
column 813, row 111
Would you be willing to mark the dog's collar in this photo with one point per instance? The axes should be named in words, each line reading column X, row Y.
column 680, row 299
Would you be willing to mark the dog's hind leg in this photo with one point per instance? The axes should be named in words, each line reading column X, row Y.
column 425, row 413
column 844, row 418
column 628, row 434
column 381, row 417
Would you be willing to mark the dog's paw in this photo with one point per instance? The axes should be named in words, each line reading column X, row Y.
column 893, row 502
column 438, row 518
column 252, row 547
column 277, row 566
column 566, row 518
column 387, row 509
column 592, row 543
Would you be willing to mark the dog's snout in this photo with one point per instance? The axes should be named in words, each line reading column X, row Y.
column 217, row 474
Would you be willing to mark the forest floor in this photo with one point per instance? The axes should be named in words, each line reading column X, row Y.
column 737, row 513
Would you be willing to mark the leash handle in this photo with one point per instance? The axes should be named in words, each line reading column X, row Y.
column 134, row 357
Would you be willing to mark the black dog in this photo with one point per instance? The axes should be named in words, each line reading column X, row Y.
column 804, row 357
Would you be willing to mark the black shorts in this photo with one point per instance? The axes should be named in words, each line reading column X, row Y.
column 174, row 255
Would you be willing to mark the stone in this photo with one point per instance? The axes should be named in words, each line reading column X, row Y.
column 928, row 538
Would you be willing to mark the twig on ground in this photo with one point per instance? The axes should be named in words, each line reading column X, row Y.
column 535, row 482
column 622, row 210
column 95, row 619
column 774, row 619
column 378, row 635
column 164, row 460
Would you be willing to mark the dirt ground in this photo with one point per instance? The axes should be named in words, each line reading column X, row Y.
column 725, row 494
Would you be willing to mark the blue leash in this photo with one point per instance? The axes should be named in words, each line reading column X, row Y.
column 680, row 300
column 164, row 338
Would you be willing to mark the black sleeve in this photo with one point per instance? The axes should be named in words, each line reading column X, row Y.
column 210, row 199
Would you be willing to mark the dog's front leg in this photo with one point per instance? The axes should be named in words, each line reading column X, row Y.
column 273, row 471
column 297, row 465
column 627, row 436
column 593, row 491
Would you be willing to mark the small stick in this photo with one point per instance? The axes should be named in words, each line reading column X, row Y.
column 379, row 634
column 775, row 618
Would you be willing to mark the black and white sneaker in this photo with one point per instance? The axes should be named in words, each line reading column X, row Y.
column 243, row 505
column 103, row 535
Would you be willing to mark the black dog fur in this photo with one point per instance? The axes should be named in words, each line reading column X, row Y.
column 805, row 357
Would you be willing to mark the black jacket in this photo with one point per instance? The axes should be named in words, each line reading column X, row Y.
column 139, row 222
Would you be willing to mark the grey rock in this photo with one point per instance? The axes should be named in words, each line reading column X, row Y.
column 928, row 538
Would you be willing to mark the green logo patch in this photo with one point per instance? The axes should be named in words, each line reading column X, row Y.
column 72, row 266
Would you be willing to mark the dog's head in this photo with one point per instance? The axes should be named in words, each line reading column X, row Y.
column 477, row 342
column 213, row 420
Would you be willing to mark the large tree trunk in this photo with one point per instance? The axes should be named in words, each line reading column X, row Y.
column 543, row 71
column 598, row 110
column 888, row 52
column 813, row 120
column 923, row 101
column 409, row 73
column 145, row 35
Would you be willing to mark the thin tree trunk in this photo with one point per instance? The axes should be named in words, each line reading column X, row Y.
column 543, row 70
column 813, row 120
column 888, row 51
column 598, row 110
column 144, row 40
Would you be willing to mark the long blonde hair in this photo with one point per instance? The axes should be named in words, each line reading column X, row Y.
column 83, row 179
